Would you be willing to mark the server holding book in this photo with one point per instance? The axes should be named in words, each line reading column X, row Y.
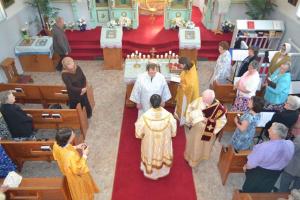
column 278, row 87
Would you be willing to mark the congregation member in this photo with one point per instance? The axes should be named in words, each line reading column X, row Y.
column 267, row 160
column 252, row 55
column 74, row 166
column 242, row 138
column 76, row 85
column 278, row 88
column 205, row 117
column 155, row 128
column 295, row 130
column 288, row 116
column 60, row 42
column 280, row 58
column 290, row 177
column 246, row 87
column 222, row 69
column 188, row 89
column 6, row 164
column 4, row 132
column 149, row 83
column 20, row 124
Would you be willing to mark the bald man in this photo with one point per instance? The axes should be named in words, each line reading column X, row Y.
column 60, row 41
column 205, row 117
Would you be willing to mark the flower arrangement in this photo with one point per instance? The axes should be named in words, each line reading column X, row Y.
column 50, row 23
column 70, row 26
column 81, row 24
column 124, row 22
column 112, row 23
column 190, row 25
column 227, row 26
column 177, row 22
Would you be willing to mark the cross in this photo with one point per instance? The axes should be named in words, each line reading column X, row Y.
column 153, row 51
column 210, row 127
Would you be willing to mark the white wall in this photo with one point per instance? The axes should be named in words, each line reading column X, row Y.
column 17, row 15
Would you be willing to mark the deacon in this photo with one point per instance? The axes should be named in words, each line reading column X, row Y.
column 147, row 84
column 205, row 117
column 156, row 127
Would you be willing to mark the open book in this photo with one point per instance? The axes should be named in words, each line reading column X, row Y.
column 12, row 180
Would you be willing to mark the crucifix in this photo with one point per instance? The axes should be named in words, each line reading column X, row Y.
column 153, row 51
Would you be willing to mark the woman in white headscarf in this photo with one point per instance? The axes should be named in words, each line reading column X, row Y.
column 280, row 57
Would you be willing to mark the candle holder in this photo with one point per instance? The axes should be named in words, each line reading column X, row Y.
column 136, row 64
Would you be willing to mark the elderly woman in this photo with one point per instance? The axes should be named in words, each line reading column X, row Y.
column 252, row 55
column 188, row 90
column 288, row 116
column 18, row 122
column 6, row 164
column 222, row 70
column 242, row 138
column 75, row 82
column 74, row 166
column 280, row 58
column 246, row 87
column 277, row 88
column 267, row 159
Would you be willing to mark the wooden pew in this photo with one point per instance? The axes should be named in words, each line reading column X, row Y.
column 21, row 151
column 40, row 189
column 60, row 118
column 43, row 94
column 224, row 92
column 258, row 196
column 231, row 162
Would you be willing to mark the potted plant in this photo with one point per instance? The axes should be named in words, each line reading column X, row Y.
column 260, row 9
column 46, row 11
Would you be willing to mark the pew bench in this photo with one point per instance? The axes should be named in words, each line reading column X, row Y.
column 224, row 92
column 258, row 196
column 40, row 189
column 43, row 94
column 231, row 162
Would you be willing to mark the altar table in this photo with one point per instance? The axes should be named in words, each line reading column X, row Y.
column 131, row 72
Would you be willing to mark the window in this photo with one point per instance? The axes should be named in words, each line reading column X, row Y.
column 2, row 13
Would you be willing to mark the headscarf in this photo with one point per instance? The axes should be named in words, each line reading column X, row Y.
column 288, row 47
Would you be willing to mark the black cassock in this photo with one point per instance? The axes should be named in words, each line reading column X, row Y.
column 18, row 123
column 74, row 83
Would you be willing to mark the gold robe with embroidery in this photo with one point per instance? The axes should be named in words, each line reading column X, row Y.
column 74, row 167
column 276, row 63
column 156, row 127
column 187, row 91
column 202, row 134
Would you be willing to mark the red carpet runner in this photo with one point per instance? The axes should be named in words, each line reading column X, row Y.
column 130, row 183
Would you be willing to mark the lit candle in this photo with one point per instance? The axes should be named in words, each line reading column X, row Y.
column 136, row 52
column 170, row 52
column 140, row 55
column 157, row 56
column 173, row 55
column 166, row 55
column 161, row 56
column 176, row 56
column 128, row 56
column 148, row 56
column 132, row 55
column 144, row 56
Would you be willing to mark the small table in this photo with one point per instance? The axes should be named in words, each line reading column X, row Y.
column 189, row 43
column 131, row 73
column 36, row 54
column 111, row 42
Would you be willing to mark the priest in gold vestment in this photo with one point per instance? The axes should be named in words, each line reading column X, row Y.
column 205, row 117
column 74, row 166
column 156, row 127
column 188, row 89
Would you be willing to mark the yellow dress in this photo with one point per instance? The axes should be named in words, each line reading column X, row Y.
column 187, row 91
column 74, row 167
column 276, row 62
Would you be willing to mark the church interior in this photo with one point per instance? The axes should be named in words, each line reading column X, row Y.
column 112, row 43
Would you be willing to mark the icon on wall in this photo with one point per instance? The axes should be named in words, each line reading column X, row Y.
column 7, row 3
column 293, row 2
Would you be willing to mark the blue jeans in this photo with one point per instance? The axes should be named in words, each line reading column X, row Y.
column 286, row 180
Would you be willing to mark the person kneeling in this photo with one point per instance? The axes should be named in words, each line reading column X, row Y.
column 156, row 127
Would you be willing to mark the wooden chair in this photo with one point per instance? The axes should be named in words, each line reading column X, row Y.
column 224, row 92
column 231, row 162
column 9, row 68
column 258, row 196
column 40, row 189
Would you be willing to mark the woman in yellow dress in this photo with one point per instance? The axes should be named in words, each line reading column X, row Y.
column 188, row 89
column 74, row 166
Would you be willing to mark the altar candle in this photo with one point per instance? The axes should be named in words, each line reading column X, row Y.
column 173, row 55
column 140, row 55
column 148, row 56
column 132, row 55
column 176, row 56
column 166, row 55
column 144, row 56
column 170, row 52
column 161, row 56
column 157, row 56
column 128, row 56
